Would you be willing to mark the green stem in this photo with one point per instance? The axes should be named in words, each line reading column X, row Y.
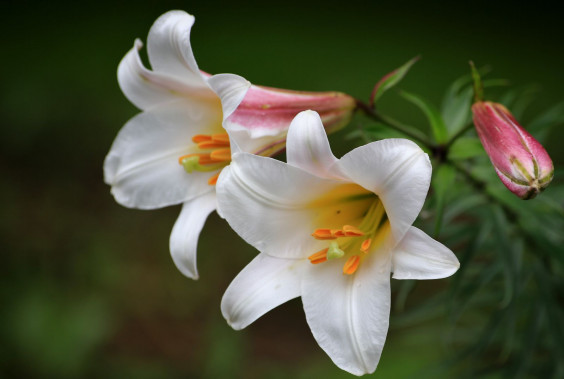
column 481, row 187
column 390, row 122
column 460, row 133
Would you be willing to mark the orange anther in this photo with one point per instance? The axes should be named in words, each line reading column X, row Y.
column 365, row 245
column 206, row 159
column 351, row 265
column 210, row 144
column 319, row 257
column 221, row 154
column 323, row 234
column 221, row 137
column 337, row 233
column 213, row 179
column 352, row 231
column 201, row 138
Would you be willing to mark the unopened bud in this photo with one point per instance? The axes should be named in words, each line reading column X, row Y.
column 521, row 162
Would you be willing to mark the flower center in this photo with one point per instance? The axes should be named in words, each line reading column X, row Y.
column 215, row 155
column 351, row 242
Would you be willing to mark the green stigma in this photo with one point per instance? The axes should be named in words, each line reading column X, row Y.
column 334, row 251
column 192, row 164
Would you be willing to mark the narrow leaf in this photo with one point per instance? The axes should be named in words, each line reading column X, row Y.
column 465, row 148
column 390, row 80
column 438, row 126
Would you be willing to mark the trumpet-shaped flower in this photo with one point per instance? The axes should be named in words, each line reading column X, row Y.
column 173, row 152
column 331, row 231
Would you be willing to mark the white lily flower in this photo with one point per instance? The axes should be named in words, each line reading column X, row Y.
column 182, row 116
column 172, row 152
column 331, row 231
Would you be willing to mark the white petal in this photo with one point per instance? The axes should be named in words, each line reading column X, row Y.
column 307, row 146
column 264, row 284
column 418, row 256
column 142, row 165
column 146, row 88
column 398, row 171
column 186, row 230
column 266, row 202
column 169, row 49
column 349, row 314
column 231, row 89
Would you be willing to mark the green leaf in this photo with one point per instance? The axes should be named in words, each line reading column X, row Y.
column 455, row 108
column 541, row 125
column 436, row 121
column 478, row 87
column 444, row 179
column 390, row 80
column 466, row 147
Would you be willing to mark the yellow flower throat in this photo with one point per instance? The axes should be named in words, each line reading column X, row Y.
column 348, row 241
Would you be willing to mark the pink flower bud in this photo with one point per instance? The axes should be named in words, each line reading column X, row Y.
column 273, row 109
column 520, row 161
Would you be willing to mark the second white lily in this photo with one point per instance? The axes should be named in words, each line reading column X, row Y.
column 331, row 231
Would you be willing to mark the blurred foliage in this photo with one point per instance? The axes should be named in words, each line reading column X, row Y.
column 88, row 288
column 505, row 305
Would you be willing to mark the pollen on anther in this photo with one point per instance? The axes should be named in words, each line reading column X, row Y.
column 365, row 245
column 221, row 137
column 201, row 138
column 213, row 180
column 319, row 257
column 351, row 265
column 221, row 154
column 352, row 231
column 211, row 144
column 323, row 234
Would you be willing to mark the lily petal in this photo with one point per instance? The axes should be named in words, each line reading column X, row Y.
column 349, row 314
column 186, row 230
column 145, row 88
column 142, row 165
column 418, row 256
column 266, row 202
column 398, row 171
column 231, row 89
column 262, row 285
column 307, row 145
column 170, row 51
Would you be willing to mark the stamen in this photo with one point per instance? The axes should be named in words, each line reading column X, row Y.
column 319, row 257
column 323, row 234
column 221, row 137
column 221, row 154
column 213, row 180
column 201, row 138
column 351, row 265
column 212, row 144
column 334, row 251
column 365, row 245
column 352, row 231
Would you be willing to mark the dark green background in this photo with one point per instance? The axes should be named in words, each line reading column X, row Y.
column 87, row 288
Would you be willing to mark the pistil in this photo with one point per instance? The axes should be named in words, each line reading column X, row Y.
column 216, row 159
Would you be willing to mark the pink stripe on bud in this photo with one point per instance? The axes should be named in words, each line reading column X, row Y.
column 271, row 109
column 521, row 162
